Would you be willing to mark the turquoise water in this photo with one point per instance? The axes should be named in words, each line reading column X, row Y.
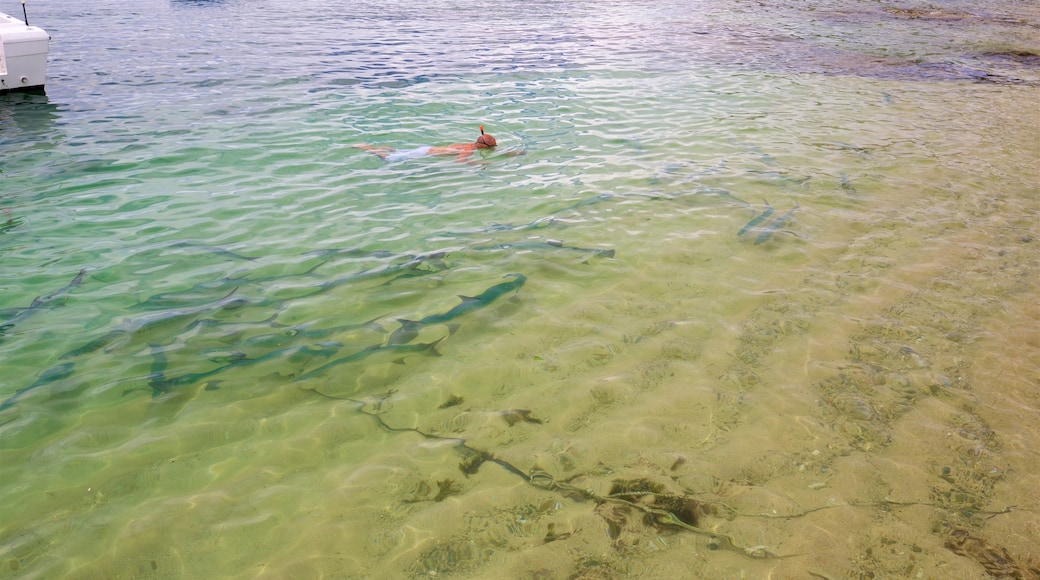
column 235, row 345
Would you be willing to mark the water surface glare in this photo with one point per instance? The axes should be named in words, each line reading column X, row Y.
column 744, row 290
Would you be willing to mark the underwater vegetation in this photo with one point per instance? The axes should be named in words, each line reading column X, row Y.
column 650, row 500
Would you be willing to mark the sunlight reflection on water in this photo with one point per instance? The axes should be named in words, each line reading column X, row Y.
column 287, row 355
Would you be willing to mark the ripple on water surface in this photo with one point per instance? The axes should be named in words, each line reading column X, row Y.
column 730, row 268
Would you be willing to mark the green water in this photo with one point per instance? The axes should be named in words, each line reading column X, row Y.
column 229, row 389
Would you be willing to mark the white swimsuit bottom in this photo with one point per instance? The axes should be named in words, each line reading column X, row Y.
column 402, row 154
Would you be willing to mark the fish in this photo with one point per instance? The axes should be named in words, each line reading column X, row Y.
column 775, row 225
column 669, row 169
column 846, row 183
column 709, row 171
column 415, row 268
column 676, row 168
column 406, row 268
column 481, row 300
column 214, row 249
column 352, row 252
column 94, row 345
column 757, row 219
column 541, row 245
column 168, row 300
column 301, row 331
column 161, row 384
column 716, row 191
column 539, row 223
column 152, row 321
column 839, row 146
column 410, row 328
column 51, row 375
column 51, row 300
column 600, row 198
column 764, row 157
column 158, row 319
column 781, row 176
column 165, row 306
column 428, row 348
column 605, row 252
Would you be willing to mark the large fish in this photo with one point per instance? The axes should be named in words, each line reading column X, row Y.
column 846, row 183
column 548, row 244
column 602, row 197
column 775, row 226
column 51, row 300
column 55, row 373
column 408, row 267
column 428, row 348
column 161, row 384
column 302, row 331
column 410, row 329
column 697, row 193
column 757, row 219
column 214, row 249
column 351, row 252
column 709, row 171
column 481, row 300
column 539, row 223
column 154, row 320
column 421, row 266
column 168, row 300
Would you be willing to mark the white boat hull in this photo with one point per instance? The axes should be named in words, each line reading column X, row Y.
column 23, row 55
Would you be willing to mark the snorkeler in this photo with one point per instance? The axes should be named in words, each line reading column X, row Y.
column 461, row 151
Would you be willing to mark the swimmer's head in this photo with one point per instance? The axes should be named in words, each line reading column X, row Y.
column 486, row 141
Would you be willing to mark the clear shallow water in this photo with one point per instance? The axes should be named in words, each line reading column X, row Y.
column 856, row 391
